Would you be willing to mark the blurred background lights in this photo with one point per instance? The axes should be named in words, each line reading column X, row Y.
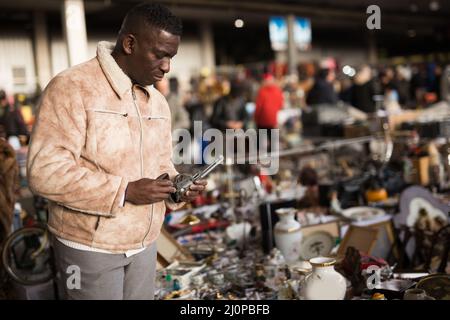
column 239, row 23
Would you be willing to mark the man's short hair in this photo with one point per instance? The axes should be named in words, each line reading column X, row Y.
column 154, row 15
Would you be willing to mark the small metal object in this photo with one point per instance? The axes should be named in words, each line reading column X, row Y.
column 182, row 182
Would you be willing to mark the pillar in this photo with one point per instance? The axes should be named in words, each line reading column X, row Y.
column 74, row 26
column 41, row 49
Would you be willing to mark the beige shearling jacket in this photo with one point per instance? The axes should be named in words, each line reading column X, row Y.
column 95, row 132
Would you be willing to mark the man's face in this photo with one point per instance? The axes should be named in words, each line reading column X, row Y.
column 151, row 57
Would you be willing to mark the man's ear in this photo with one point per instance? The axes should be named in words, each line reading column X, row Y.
column 128, row 43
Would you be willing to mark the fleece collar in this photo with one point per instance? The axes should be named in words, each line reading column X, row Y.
column 118, row 80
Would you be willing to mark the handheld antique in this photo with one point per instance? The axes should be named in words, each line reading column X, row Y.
column 183, row 181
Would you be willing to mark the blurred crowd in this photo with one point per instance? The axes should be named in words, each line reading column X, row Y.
column 252, row 97
column 245, row 98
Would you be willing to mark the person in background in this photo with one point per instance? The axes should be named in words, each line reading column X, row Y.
column 269, row 101
column 363, row 90
column 445, row 84
column 391, row 99
column 435, row 80
column 179, row 115
column 309, row 179
column 418, row 84
column 323, row 91
column 402, row 78
column 345, row 93
column 229, row 111
column 11, row 118
column 195, row 106
column 9, row 185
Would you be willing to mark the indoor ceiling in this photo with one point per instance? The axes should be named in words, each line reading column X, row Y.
column 335, row 20
column 425, row 11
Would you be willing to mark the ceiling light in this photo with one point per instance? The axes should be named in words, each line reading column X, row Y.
column 239, row 23
column 434, row 5
column 349, row 71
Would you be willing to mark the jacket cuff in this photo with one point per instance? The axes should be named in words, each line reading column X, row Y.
column 122, row 199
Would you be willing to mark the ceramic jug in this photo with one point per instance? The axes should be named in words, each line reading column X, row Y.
column 324, row 282
column 288, row 234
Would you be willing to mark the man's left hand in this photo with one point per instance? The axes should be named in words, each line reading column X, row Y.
column 194, row 190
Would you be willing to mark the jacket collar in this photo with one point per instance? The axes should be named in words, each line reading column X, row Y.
column 118, row 80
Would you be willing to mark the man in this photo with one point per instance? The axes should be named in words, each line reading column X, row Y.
column 269, row 101
column 11, row 118
column 229, row 110
column 322, row 91
column 101, row 139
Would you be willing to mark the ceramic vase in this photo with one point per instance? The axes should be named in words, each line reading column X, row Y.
column 288, row 234
column 324, row 282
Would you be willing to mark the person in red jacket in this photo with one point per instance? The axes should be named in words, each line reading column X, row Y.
column 268, row 102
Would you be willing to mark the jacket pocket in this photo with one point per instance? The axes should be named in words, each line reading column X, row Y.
column 109, row 137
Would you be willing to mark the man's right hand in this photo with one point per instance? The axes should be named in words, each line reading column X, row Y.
column 148, row 191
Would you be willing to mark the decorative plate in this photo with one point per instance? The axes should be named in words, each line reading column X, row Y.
column 363, row 213
column 319, row 243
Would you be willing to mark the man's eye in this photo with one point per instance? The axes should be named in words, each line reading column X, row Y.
column 159, row 56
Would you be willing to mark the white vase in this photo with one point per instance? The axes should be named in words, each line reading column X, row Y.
column 324, row 283
column 288, row 234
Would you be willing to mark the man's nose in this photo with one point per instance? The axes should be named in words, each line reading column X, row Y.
column 165, row 66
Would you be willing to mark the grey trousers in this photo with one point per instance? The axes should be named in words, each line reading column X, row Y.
column 86, row 275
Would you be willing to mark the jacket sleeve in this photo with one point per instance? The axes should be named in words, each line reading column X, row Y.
column 56, row 146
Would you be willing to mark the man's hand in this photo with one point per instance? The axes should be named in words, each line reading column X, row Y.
column 148, row 191
column 194, row 190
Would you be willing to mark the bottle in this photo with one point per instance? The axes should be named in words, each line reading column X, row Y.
column 168, row 286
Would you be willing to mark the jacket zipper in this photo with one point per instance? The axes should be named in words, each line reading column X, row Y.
column 141, row 133
column 141, row 155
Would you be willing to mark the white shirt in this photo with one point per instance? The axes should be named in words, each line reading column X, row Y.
column 83, row 247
